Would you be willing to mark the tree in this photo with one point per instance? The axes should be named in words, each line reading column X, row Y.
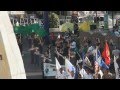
column 54, row 20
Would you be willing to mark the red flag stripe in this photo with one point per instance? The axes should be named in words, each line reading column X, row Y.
column 106, row 54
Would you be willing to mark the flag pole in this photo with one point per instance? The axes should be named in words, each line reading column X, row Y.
column 116, row 68
column 96, row 58
column 43, row 76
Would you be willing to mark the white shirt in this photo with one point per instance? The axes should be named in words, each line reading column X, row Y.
column 88, row 76
column 82, row 72
column 61, row 75
column 58, row 36
column 116, row 52
column 37, row 53
column 73, row 44
column 101, row 74
column 70, row 77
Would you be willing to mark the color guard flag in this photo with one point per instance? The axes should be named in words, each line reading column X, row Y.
column 69, row 67
column 58, row 66
column 87, row 61
column 106, row 54
column 99, row 61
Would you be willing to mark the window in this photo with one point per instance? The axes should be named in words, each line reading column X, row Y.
column 64, row 13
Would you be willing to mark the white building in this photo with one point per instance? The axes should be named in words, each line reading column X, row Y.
column 16, row 12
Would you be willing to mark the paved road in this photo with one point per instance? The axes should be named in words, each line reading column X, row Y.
column 33, row 72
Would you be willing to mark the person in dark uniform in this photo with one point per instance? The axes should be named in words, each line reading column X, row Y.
column 65, row 51
column 36, row 57
column 36, row 41
column 32, row 50
column 30, row 41
column 40, row 45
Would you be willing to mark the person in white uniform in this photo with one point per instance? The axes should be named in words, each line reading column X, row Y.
column 98, row 73
column 82, row 71
column 88, row 74
column 61, row 74
column 72, row 75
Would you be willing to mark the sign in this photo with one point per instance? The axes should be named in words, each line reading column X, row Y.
column 16, row 12
column 50, row 69
column 24, row 21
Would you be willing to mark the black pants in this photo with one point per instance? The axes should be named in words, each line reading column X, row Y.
column 53, row 42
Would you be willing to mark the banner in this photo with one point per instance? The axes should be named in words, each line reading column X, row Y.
column 50, row 69
column 29, row 29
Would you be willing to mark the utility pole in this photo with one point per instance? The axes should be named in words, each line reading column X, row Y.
column 47, row 40
column 96, row 21
column 46, row 26
column 75, row 22
column 46, row 21
column 106, row 20
column 112, row 18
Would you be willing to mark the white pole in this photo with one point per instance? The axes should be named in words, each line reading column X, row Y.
column 96, row 53
column 116, row 68
column 96, row 57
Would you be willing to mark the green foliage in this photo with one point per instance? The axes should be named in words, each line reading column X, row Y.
column 54, row 20
column 67, row 25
